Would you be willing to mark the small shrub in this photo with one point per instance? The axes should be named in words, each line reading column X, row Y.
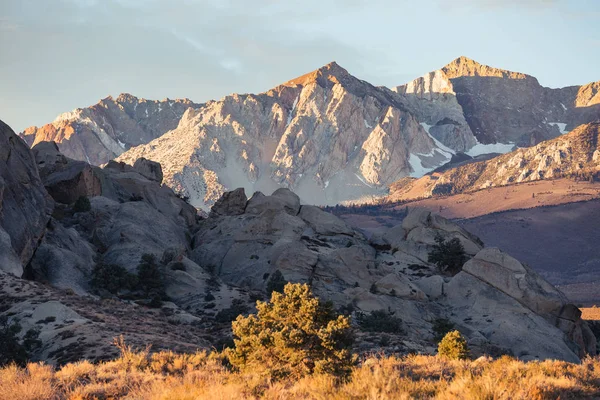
column 295, row 334
column 178, row 266
column 82, row 204
column 112, row 278
column 151, row 279
column 47, row 320
column 373, row 288
column 13, row 350
column 441, row 327
column 276, row 283
column 448, row 255
column 380, row 321
column 453, row 346
column 209, row 296
column 238, row 307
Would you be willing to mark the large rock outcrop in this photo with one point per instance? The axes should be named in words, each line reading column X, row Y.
column 24, row 203
column 501, row 305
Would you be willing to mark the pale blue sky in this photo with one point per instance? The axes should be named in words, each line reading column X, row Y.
column 56, row 55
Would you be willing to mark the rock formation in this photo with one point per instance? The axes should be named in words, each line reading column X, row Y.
column 24, row 204
column 497, row 302
column 103, row 131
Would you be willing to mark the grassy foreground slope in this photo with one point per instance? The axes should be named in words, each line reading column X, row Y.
column 166, row 375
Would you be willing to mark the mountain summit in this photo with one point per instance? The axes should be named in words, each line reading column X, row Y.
column 478, row 109
column 328, row 135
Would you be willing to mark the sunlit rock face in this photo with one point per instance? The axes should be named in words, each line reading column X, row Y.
column 103, row 131
column 472, row 107
column 327, row 135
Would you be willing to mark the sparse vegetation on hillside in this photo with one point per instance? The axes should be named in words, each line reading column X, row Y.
column 380, row 321
column 448, row 255
column 293, row 335
column 112, row 278
column 149, row 283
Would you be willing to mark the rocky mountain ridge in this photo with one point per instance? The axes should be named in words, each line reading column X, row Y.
column 327, row 135
column 99, row 133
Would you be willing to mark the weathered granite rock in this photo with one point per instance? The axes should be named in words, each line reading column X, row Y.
column 65, row 180
column 324, row 223
column 533, row 320
column 24, row 203
column 231, row 203
column 281, row 199
column 150, row 169
column 63, row 259
column 518, row 281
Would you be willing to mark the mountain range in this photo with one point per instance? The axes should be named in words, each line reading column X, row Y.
column 327, row 135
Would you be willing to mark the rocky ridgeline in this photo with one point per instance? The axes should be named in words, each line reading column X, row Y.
column 327, row 135
column 499, row 304
column 99, row 133
column 576, row 155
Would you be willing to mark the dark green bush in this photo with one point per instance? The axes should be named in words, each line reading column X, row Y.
column 82, row 204
column 380, row 321
column 373, row 289
column 113, row 278
column 151, row 280
column 13, row 349
column 276, row 283
column 448, row 255
column 238, row 307
column 441, row 327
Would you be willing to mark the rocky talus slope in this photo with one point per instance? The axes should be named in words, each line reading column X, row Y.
column 575, row 154
column 101, row 132
column 327, row 135
column 215, row 264
column 466, row 100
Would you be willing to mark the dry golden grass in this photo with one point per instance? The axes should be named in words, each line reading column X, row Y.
column 170, row 376
column 590, row 313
